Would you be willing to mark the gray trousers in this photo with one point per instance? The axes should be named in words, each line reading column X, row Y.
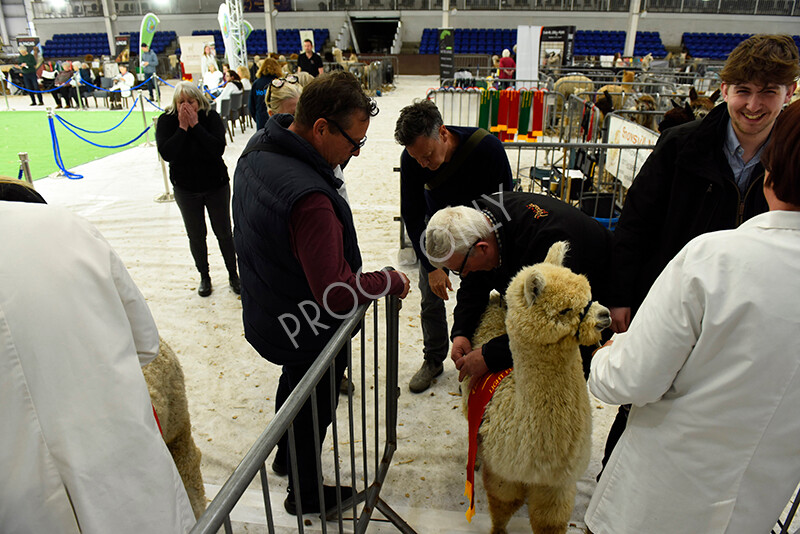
column 434, row 321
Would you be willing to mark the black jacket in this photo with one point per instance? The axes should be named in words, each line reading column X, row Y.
column 266, row 186
column 532, row 224
column 257, row 105
column 685, row 188
column 194, row 155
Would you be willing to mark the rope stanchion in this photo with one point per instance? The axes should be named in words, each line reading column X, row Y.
column 25, row 167
column 95, row 144
column 56, row 152
column 166, row 196
column 102, row 131
column 141, row 98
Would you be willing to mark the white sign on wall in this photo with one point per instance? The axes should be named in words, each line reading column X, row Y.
column 625, row 164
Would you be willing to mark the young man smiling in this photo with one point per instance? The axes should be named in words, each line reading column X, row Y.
column 701, row 177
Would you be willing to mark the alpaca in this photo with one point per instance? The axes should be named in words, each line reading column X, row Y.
column 572, row 85
column 701, row 105
column 619, row 92
column 164, row 377
column 534, row 440
column 645, row 103
column 646, row 60
column 679, row 114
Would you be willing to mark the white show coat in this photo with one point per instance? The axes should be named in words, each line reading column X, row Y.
column 124, row 84
column 710, row 363
column 80, row 450
column 229, row 89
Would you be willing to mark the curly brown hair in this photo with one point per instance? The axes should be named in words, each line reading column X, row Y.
column 763, row 59
column 269, row 66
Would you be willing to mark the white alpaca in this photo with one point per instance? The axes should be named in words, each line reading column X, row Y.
column 535, row 437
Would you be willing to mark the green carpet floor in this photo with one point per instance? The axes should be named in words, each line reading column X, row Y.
column 29, row 131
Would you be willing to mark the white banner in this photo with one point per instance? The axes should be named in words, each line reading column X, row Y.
column 625, row 164
column 528, row 38
column 224, row 18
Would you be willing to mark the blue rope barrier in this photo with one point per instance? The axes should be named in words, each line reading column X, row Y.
column 114, row 90
column 151, row 102
column 19, row 176
column 57, row 152
column 37, row 92
column 104, row 131
column 204, row 89
column 95, row 144
column 164, row 81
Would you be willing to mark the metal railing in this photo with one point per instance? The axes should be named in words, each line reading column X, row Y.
column 367, row 464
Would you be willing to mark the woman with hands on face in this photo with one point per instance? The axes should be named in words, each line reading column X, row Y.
column 191, row 137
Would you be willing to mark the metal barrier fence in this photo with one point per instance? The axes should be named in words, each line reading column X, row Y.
column 367, row 464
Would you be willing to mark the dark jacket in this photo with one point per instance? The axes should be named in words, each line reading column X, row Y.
column 685, row 188
column 528, row 224
column 266, row 186
column 194, row 155
column 257, row 105
column 484, row 171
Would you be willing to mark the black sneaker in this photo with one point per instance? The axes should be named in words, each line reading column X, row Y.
column 279, row 466
column 236, row 285
column 204, row 289
column 311, row 505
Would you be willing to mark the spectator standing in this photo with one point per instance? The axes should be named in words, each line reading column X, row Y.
column 507, row 69
column 711, row 443
column 441, row 166
column 297, row 246
column 149, row 62
column 208, row 59
column 80, row 449
column 309, row 61
column 27, row 63
column 191, row 137
column 269, row 70
column 702, row 176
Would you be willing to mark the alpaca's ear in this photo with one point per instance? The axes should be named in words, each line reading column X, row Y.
column 534, row 285
column 557, row 253
column 692, row 94
column 688, row 108
column 676, row 104
column 714, row 96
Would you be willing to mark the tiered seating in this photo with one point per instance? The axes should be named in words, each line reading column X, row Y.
column 161, row 40
column 603, row 42
column 711, row 45
column 73, row 45
column 289, row 41
column 471, row 41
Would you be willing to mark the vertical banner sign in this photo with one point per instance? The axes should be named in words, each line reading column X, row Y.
column 446, row 51
column 148, row 30
column 557, row 45
column 527, row 54
column 224, row 18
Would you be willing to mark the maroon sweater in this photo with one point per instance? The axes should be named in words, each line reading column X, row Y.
column 316, row 236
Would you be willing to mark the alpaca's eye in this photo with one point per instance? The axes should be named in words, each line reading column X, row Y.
column 565, row 311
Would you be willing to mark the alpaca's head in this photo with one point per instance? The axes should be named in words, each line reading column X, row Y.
column 548, row 303
column 645, row 103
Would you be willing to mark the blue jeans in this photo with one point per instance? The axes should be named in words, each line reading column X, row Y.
column 435, row 340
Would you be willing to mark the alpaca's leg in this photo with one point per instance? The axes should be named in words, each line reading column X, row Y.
column 504, row 499
column 550, row 508
column 187, row 460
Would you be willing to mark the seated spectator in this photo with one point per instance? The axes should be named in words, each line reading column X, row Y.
column 80, row 449
column 84, row 85
column 232, row 86
column 122, row 86
column 212, row 79
column 47, row 71
column 710, row 365
column 64, row 83
column 244, row 77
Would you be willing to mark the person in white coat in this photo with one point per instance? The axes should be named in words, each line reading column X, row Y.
column 122, row 86
column 80, row 450
column 711, row 366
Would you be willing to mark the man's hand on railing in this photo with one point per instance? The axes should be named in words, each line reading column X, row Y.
column 406, row 285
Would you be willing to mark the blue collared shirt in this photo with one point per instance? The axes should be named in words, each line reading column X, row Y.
column 733, row 153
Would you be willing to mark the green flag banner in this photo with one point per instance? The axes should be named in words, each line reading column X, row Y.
column 247, row 29
column 148, row 30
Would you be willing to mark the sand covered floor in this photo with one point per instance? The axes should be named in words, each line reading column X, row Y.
column 231, row 388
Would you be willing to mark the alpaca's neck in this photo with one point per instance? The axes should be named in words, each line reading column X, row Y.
column 545, row 367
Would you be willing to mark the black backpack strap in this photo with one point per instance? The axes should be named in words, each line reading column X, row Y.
column 454, row 164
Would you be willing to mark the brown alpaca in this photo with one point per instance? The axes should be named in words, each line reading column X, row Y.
column 701, row 105
column 164, row 377
column 645, row 103
column 534, row 440
column 618, row 92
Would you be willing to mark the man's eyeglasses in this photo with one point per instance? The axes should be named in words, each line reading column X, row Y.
column 466, row 257
column 356, row 145
column 277, row 83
